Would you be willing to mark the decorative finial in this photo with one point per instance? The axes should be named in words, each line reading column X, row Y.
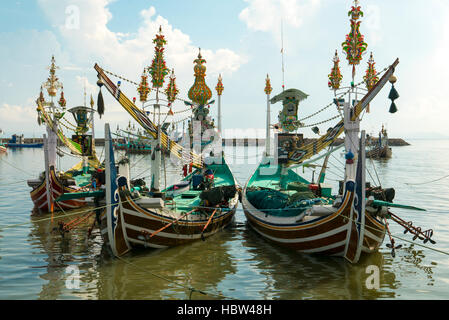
column 200, row 93
column 335, row 76
column 219, row 88
column 268, row 87
column 354, row 45
column 52, row 84
column 171, row 91
column 371, row 77
column 143, row 88
column 158, row 69
column 62, row 101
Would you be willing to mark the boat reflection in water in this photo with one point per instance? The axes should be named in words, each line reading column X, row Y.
column 144, row 274
column 59, row 260
column 141, row 274
column 236, row 263
column 296, row 275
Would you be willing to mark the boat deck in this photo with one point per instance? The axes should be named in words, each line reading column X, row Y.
column 267, row 176
column 188, row 200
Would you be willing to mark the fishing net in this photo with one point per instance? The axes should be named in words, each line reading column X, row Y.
column 280, row 204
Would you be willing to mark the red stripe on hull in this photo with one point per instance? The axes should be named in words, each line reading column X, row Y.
column 39, row 195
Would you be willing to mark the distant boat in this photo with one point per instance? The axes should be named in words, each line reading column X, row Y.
column 379, row 148
column 18, row 142
column 2, row 146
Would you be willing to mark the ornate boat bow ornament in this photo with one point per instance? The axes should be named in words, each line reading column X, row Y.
column 335, row 76
column 200, row 93
column 354, row 45
column 288, row 116
column 144, row 89
column 370, row 77
column 171, row 91
column 158, row 69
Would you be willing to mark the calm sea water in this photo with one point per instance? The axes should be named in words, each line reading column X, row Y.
column 36, row 263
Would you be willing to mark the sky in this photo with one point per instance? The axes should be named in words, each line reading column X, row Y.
column 239, row 39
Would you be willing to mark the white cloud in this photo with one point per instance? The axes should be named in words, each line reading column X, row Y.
column 16, row 117
column 266, row 15
column 127, row 54
column 90, row 88
column 372, row 22
column 94, row 40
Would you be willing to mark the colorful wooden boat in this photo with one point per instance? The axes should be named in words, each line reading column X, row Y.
column 2, row 146
column 45, row 202
column 199, row 206
column 140, row 221
column 313, row 220
column 51, row 184
column 332, row 226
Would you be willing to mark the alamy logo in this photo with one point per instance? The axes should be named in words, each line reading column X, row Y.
column 373, row 280
column 73, row 280
column 72, row 21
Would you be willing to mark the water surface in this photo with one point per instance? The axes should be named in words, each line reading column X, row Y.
column 36, row 262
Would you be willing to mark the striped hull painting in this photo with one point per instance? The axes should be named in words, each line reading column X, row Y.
column 138, row 223
column 334, row 234
column 39, row 195
column 374, row 234
column 329, row 235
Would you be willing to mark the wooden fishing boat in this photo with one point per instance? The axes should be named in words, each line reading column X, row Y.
column 52, row 184
column 132, row 220
column 132, row 141
column 288, row 210
column 379, row 148
column 200, row 205
column 2, row 146
column 17, row 141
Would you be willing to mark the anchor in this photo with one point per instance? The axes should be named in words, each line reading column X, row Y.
column 426, row 235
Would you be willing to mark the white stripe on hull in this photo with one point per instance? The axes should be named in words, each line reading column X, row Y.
column 146, row 244
column 373, row 237
column 171, row 235
column 299, row 240
column 325, row 248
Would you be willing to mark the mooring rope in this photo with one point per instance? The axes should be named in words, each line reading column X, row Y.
column 427, row 181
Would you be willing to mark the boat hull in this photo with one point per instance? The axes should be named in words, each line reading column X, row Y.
column 24, row 145
column 40, row 198
column 379, row 153
column 135, row 224
column 334, row 234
